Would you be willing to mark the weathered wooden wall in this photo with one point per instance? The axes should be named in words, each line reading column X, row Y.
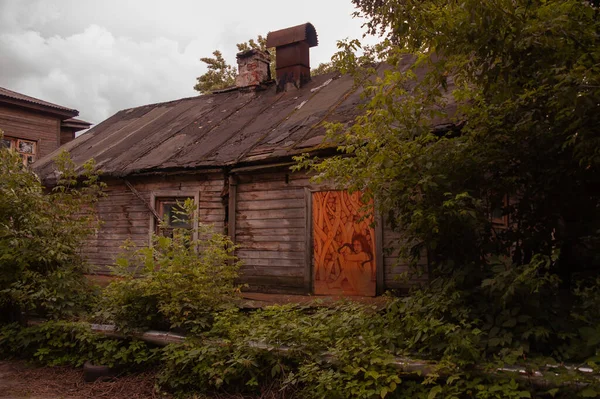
column 271, row 225
column 395, row 266
column 66, row 135
column 271, row 229
column 29, row 125
column 124, row 216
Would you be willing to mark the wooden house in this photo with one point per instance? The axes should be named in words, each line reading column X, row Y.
column 231, row 152
column 33, row 127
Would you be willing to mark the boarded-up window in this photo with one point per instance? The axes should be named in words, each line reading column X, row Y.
column 343, row 245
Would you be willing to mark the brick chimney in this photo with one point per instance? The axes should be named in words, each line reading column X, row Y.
column 292, row 54
column 253, row 68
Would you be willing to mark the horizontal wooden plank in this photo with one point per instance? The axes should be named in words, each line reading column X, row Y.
column 118, row 239
column 273, row 281
column 211, row 211
column 271, row 271
column 295, row 213
column 269, row 238
column 273, row 262
column 269, row 223
column 274, row 185
column 211, row 204
column 257, row 254
column 284, row 193
column 273, row 246
column 133, row 218
column 218, row 218
column 269, row 204
column 123, row 222
column 271, row 174
column 123, row 230
column 104, row 209
column 275, row 231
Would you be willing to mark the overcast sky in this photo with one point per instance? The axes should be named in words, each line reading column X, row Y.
column 103, row 56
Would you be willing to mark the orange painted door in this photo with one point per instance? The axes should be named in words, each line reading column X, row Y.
column 343, row 245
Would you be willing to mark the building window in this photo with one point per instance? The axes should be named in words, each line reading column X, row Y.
column 5, row 143
column 167, row 216
column 172, row 214
column 25, row 148
column 498, row 216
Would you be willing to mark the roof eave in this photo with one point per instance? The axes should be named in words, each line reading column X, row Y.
column 61, row 113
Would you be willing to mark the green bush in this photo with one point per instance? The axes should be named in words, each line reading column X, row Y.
column 41, row 270
column 73, row 343
column 179, row 282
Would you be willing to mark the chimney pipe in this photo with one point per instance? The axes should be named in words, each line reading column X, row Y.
column 292, row 56
column 253, row 68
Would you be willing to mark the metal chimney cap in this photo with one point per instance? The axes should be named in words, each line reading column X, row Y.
column 304, row 32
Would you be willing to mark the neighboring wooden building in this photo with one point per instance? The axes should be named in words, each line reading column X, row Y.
column 34, row 128
column 231, row 152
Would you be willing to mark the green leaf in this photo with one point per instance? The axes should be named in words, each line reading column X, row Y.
column 434, row 392
column 589, row 393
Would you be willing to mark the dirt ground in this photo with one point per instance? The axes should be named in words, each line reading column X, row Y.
column 18, row 380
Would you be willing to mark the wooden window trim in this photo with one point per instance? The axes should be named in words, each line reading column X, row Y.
column 15, row 146
column 172, row 194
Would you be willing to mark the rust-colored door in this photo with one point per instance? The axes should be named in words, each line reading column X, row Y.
column 343, row 245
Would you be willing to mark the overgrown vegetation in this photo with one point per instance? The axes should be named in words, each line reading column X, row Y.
column 496, row 112
column 180, row 282
column 353, row 351
column 221, row 74
column 41, row 270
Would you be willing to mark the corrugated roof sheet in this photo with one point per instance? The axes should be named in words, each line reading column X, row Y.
column 215, row 130
column 210, row 130
column 22, row 97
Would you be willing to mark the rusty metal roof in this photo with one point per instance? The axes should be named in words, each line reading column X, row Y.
column 214, row 130
column 233, row 128
column 6, row 94
column 304, row 32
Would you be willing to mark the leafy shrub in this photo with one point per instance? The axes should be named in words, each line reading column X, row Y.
column 179, row 282
column 41, row 270
column 73, row 343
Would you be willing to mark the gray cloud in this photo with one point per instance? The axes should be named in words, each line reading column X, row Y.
column 100, row 57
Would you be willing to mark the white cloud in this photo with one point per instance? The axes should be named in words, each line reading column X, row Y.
column 100, row 57
column 96, row 72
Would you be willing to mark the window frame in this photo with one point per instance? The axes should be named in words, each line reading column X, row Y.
column 502, row 221
column 173, row 195
column 15, row 146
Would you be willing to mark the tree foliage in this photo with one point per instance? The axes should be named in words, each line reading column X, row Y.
column 484, row 108
column 498, row 98
column 221, row 74
column 323, row 68
column 41, row 268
